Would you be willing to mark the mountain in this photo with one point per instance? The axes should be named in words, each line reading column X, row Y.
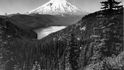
column 57, row 7
column 64, row 12
column 55, row 13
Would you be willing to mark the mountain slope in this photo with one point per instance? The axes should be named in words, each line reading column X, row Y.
column 94, row 43
column 57, row 7
column 11, row 30
column 98, row 38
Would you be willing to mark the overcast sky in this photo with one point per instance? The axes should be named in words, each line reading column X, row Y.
column 22, row 6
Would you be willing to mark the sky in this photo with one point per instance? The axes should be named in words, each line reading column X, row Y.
column 23, row 6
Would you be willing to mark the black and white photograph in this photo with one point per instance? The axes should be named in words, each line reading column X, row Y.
column 61, row 35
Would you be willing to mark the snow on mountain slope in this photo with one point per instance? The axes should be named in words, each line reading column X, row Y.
column 46, row 31
column 57, row 7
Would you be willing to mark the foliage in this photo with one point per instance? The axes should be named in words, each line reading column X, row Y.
column 94, row 43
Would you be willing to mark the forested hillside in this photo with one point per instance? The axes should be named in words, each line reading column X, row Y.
column 8, row 28
column 94, row 43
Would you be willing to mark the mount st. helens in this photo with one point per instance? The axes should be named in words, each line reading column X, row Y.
column 57, row 7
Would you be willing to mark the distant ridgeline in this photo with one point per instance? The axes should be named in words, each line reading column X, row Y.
column 94, row 43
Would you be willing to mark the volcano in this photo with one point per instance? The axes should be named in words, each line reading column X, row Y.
column 57, row 7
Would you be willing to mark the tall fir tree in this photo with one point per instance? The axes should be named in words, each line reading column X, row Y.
column 111, row 5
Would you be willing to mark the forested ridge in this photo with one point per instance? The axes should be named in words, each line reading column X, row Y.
column 94, row 43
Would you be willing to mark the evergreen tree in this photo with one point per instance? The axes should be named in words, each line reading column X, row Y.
column 111, row 5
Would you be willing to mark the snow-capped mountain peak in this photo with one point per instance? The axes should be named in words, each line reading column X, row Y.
column 57, row 7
